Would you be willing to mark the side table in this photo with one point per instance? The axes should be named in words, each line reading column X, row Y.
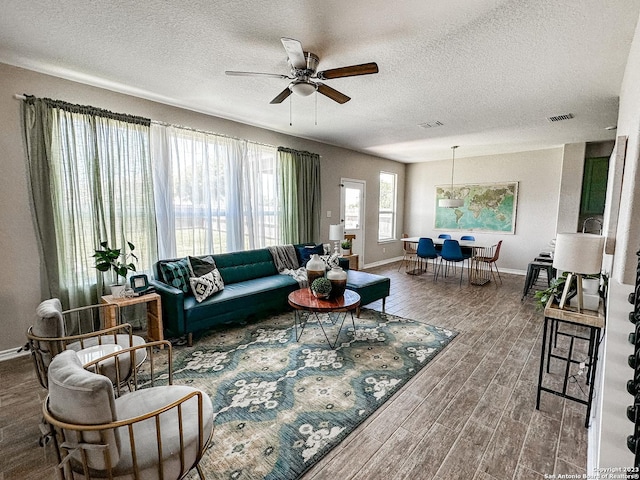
column 155, row 329
column 353, row 261
column 553, row 317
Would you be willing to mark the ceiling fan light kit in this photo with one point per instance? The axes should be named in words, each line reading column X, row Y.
column 305, row 77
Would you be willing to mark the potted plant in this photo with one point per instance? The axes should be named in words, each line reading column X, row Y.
column 346, row 247
column 554, row 289
column 321, row 287
column 108, row 258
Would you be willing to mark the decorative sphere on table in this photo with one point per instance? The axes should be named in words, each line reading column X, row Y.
column 321, row 287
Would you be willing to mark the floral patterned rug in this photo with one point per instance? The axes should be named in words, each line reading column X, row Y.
column 280, row 404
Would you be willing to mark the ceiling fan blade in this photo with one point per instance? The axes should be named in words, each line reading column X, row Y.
column 294, row 52
column 255, row 74
column 351, row 71
column 332, row 93
column 281, row 96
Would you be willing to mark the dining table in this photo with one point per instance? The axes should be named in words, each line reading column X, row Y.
column 479, row 273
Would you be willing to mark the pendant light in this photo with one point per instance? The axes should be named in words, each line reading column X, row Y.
column 451, row 202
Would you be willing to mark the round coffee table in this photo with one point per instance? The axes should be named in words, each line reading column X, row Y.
column 306, row 304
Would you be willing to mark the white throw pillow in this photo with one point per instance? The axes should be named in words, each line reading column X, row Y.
column 205, row 286
column 330, row 261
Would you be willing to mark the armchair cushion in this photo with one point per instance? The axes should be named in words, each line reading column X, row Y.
column 147, row 400
column 81, row 397
column 49, row 322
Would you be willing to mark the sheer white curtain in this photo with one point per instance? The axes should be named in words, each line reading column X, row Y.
column 214, row 194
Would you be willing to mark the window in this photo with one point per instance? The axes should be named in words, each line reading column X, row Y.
column 222, row 193
column 387, row 208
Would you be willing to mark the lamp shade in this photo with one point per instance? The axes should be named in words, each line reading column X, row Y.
column 336, row 232
column 450, row 202
column 578, row 253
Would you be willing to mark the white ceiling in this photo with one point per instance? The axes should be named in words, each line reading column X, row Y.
column 491, row 71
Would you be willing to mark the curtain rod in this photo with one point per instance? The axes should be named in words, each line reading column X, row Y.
column 197, row 130
column 19, row 96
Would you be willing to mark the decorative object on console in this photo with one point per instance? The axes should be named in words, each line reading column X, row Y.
column 579, row 254
column 107, row 258
column 338, row 278
column 346, row 247
column 321, row 287
column 316, row 268
column 336, row 235
column 139, row 283
column 451, row 202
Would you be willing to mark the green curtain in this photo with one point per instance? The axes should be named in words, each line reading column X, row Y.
column 90, row 181
column 299, row 194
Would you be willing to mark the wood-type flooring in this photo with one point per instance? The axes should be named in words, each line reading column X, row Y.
column 470, row 414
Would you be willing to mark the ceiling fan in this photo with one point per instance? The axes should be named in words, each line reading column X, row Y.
column 305, row 79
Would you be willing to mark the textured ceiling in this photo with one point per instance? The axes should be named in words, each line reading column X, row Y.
column 491, row 71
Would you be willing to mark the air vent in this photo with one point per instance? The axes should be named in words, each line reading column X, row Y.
column 436, row 123
column 559, row 118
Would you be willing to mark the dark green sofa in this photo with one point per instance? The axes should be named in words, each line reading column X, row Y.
column 253, row 288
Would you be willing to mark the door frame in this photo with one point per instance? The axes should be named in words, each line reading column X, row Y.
column 363, row 211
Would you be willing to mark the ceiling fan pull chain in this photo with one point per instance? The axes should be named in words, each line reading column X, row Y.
column 316, row 95
column 290, row 116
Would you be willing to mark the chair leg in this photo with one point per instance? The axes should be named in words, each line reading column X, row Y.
column 496, row 266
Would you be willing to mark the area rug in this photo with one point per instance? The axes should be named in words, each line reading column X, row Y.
column 280, row 404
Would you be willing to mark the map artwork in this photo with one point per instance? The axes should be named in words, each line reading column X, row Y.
column 488, row 207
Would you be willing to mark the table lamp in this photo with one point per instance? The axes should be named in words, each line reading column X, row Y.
column 579, row 254
column 336, row 234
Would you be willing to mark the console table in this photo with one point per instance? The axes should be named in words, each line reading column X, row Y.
column 554, row 316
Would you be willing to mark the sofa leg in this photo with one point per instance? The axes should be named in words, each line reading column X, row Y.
column 190, row 339
column 358, row 312
column 384, row 299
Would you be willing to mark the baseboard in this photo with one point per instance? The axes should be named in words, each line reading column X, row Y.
column 12, row 353
column 512, row 271
column 381, row 262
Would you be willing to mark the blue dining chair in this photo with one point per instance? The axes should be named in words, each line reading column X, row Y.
column 467, row 252
column 426, row 250
column 446, row 236
column 451, row 254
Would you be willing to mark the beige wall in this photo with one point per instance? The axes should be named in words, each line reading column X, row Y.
column 538, row 175
column 20, row 292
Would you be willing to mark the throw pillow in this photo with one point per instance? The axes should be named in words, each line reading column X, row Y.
column 177, row 273
column 201, row 266
column 305, row 251
column 205, row 286
column 330, row 261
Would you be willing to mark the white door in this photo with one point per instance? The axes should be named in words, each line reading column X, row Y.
column 352, row 213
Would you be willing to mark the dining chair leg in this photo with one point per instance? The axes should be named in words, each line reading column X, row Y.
column 496, row 266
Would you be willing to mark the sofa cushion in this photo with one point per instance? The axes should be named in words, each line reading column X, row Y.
column 237, row 298
column 201, row 265
column 304, row 252
column 206, row 285
column 176, row 273
column 246, row 265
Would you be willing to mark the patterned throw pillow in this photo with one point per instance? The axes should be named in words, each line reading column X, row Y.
column 330, row 261
column 205, row 286
column 177, row 273
column 304, row 252
column 201, row 266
